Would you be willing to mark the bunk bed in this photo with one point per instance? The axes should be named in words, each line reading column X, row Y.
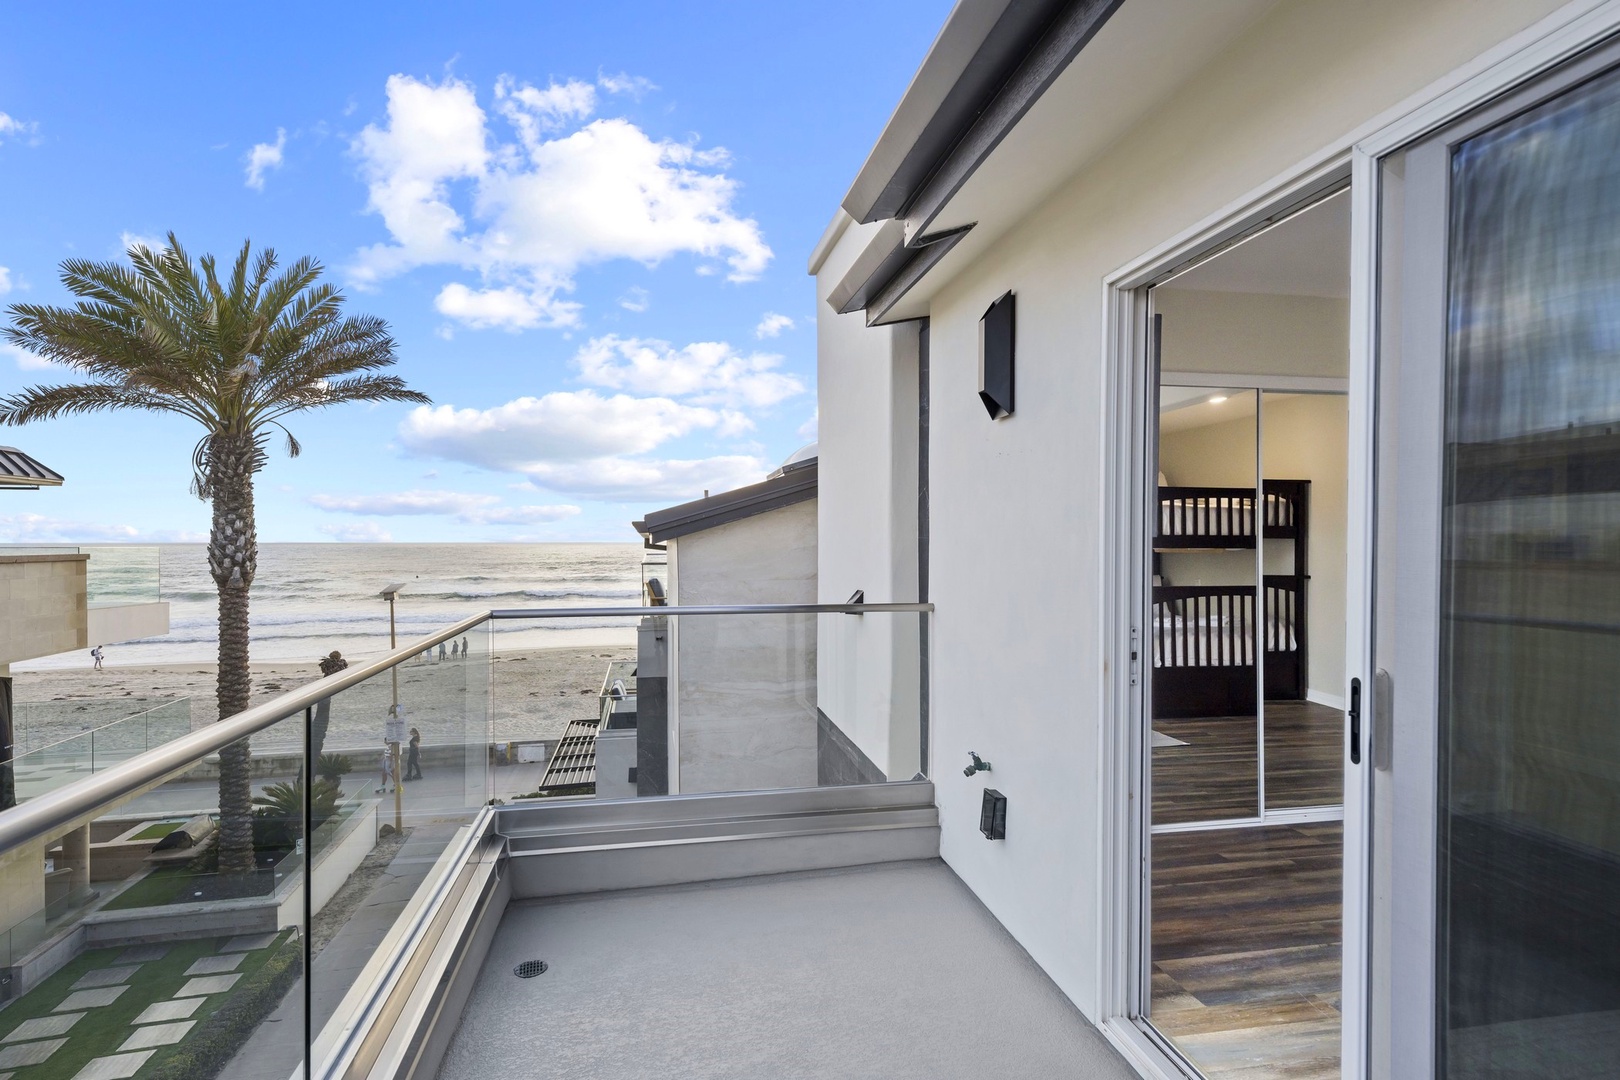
column 1204, row 637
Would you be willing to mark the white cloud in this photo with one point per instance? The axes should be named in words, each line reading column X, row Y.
column 772, row 325
column 635, row 299
column 25, row 360
column 561, row 426
column 41, row 529
column 468, row 508
column 506, row 308
column 11, row 127
column 5, row 281
column 362, row 532
column 633, row 86
column 621, row 478
column 264, row 157
column 127, row 240
column 707, row 372
column 810, row 429
column 542, row 204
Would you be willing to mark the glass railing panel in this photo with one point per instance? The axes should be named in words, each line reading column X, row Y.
column 123, row 574
column 162, row 936
column 52, row 765
column 405, row 761
column 690, row 703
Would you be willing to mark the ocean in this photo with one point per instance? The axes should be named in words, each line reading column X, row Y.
column 309, row 599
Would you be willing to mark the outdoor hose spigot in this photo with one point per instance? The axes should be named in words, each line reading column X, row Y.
column 979, row 765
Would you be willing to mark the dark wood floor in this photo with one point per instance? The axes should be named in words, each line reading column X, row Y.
column 1214, row 775
column 1245, row 935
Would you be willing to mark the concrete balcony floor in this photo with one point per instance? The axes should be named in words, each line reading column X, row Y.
column 893, row 970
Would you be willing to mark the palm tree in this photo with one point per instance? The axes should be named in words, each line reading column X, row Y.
column 166, row 334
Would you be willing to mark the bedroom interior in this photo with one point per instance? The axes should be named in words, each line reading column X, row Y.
column 1247, row 617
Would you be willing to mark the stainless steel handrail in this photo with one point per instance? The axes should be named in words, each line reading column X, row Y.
column 55, row 811
column 707, row 609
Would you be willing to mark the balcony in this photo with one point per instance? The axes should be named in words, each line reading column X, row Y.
column 765, row 896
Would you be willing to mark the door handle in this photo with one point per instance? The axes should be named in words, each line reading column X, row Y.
column 1353, row 714
column 1383, row 742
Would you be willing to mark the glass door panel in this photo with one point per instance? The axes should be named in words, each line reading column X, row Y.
column 1205, row 627
column 1497, row 795
column 1304, row 440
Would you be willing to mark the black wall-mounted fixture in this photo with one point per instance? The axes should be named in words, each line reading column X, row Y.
column 993, row 815
column 996, row 341
column 977, row 765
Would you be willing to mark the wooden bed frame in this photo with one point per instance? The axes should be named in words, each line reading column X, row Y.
column 1203, row 664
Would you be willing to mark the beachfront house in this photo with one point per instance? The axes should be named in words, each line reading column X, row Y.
column 720, row 717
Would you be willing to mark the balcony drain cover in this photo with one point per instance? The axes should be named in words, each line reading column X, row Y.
column 529, row 969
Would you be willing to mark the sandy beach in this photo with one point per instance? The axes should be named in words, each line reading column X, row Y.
column 519, row 695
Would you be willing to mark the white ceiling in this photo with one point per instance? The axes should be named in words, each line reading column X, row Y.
column 1307, row 254
column 1184, row 407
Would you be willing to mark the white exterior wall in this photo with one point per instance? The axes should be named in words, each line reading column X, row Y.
column 745, row 685
column 1017, row 546
column 868, row 386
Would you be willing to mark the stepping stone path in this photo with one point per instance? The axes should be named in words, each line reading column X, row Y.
column 160, row 1024
column 208, row 984
column 43, row 1027
column 248, row 943
column 112, row 976
column 160, row 1012
column 142, row 954
column 154, row 1035
column 114, row 1067
column 90, row 999
column 30, row 1053
column 215, row 965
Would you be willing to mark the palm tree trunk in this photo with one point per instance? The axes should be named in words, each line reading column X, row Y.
column 233, row 550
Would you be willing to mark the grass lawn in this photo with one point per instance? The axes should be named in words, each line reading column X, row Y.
column 104, row 1029
column 181, row 885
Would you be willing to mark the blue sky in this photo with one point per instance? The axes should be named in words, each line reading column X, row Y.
column 587, row 224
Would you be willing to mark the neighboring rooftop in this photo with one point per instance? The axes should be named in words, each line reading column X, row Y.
column 794, row 482
column 18, row 470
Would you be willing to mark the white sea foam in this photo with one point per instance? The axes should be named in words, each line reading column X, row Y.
column 311, row 598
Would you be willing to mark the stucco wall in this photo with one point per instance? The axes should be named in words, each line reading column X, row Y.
column 746, row 685
column 1017, row 565
column 42, row 605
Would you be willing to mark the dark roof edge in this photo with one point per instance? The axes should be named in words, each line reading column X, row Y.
column 18, row 469
column 794, row 486
column 992, row 60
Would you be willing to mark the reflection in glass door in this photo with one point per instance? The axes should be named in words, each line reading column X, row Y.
column 1501, row 791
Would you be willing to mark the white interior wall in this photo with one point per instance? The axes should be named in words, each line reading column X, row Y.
column 1016, row 566
column 1254, row 333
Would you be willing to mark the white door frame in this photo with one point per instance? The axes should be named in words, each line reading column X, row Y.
column 1122, row 851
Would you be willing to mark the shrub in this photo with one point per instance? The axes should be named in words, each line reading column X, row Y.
column 278, row 814
column 334, row 767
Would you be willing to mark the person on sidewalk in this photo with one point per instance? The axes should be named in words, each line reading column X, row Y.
column 96, row 655
column 387, row 769
column 413, row 765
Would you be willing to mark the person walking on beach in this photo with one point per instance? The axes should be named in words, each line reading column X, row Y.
column 413, row 764
column 442, row 652
column 464, row 648
column 455, row 650
column 96, row 655
column 387, row 768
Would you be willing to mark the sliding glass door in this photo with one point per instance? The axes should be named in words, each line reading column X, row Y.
column 1497, row 615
